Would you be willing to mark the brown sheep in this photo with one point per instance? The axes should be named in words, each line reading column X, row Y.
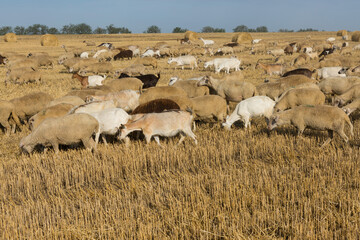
column 161, row 92
column 320, row 117
column 297, row 97
column 147, row 61
column 54, row 111
column 65, row 130
column 209, row 107
column 7, row 112
column 156, row 106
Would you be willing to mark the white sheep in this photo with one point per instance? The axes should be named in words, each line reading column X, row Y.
column 232, row 63
column 184, row 60
column 252, row 107
column 326, row 72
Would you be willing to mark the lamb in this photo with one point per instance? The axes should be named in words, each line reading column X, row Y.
column 43, row 61
column 124, row 54
column 320, row 117
column 89, row 81
column 297, row 97
column 92, row 107
column 165, row 124
column 256, row 106
column 156, row 106
column 190, row 87
column 105, row 56
column 351, row 94
column 231, row 90
column 147, row 61
column 30, row 104
column 73, row 100
column 66, row 130
column 161, row 92
column 29, row 77
column 225, row 51
column 184, row 60
column 13, row 75
column 54, row 111
column 149, row 80
column 326, row 72
column 207, row 42
column 209, row 107
column 337, row 85
column 151, row 53
column 97, row 68
column 109, row 122
column 126, row 99
column 7, row 114
column 303, row 71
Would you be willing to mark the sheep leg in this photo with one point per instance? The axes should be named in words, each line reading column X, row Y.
column 55, row 146
column 343, row 135
column 103, row 137
column 157, row 140
column 331, row 135
column 7, row 127
column 191, row 134
column 89, row 143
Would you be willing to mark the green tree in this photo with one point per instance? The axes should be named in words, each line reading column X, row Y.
column 53, row 31
column 307, row 30
column 83, row 28
column 124, row 30
column 99, row 30
column 19, row 30
column 285, row 30
column 207, row 29
column 111, row 29
column 4, row 30
column 262, row 29
column 219, row 29
column 241, row 28
column 36, row 29
column 68, row 29
column 153, row 29
column 179, row 30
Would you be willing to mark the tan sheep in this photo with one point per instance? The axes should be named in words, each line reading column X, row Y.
column 320, row 117
column 350, row 94
column 333, row 62
column 83, row 93
column 117, row 85
column 7, row 113
column 29, row 77
column 231, row 90
column 79, row 64
column 297, row 97
column 66, row 130
column 160, row 92
column 302, row 59
column 190, row 87
column 337, row 85
column 54, row 111
column 133, row 70
column 44, row 61
column 14, row 74
column 103, row 67
column 209, row 107
column 351, row 107
column 147, row 61
column 73, row 100
column 184, row 102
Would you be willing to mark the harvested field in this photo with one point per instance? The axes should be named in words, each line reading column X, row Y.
column 238, row 184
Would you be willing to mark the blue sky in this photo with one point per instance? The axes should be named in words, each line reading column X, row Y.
column 137, row 15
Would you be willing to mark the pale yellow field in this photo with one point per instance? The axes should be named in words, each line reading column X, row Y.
column 238, row 184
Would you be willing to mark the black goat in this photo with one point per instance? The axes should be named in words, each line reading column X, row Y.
column 149, row 80
column 124, row 54
column 327, row 51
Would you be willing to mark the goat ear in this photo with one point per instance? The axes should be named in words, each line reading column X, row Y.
column 122, row 126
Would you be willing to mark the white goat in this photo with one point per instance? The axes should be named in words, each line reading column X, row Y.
column 184, row 60
column 326, row 72
column 150, row 53
column 207, row 42
column 252, row 107
column 84, row 55
column 96, row 80
column 109, row 121
column 232, row 63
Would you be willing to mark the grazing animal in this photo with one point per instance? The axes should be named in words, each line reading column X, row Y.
column 350, row 94
column 326, row 72
column 209, row 107
column 89, row 81
column 207, row 42
column 184, row 60
column 151, row 53
column 232, row 63
column 327, row 51
column 7, row 113
column 256, row 106
column 351, row 107
column 124, row 54
column 156, row 106
column 302, row 71
column 166, row 124
column 66, row 130
column 190, row 87
column 270, row 68
column 92, row 107
column 320, row 117
column 107, row 45
column 149, row 80
column 89, row 43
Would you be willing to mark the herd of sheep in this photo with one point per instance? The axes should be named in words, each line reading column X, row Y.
column 318, row 89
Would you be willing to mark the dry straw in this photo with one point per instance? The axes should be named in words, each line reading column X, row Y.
column 10, row 37
column 190, row 35
column 242, row 38
column 356, row 36
column 49, row 40
column 341, row 33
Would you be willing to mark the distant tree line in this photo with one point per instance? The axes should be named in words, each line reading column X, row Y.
column 83, row 28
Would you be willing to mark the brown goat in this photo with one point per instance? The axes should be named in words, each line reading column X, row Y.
column 156, row 106
column 83, row 79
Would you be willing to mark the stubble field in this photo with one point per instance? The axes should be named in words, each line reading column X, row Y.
column 238, row 184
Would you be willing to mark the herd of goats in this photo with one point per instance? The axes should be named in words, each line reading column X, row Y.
column 319, row 92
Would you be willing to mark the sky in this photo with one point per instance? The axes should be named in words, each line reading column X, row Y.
column 138, row 15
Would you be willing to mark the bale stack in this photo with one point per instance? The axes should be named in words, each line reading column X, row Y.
column 190, row 35
column 341, row 33
column 355, row 36
column 49, row 40
column 242, row 37
column 10, row 37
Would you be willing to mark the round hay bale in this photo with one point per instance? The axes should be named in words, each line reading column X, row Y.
column 341, row 33
column 49, row 40
column 355, row 36
column 10, row 37
column 242, row 37
column 192, row 36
